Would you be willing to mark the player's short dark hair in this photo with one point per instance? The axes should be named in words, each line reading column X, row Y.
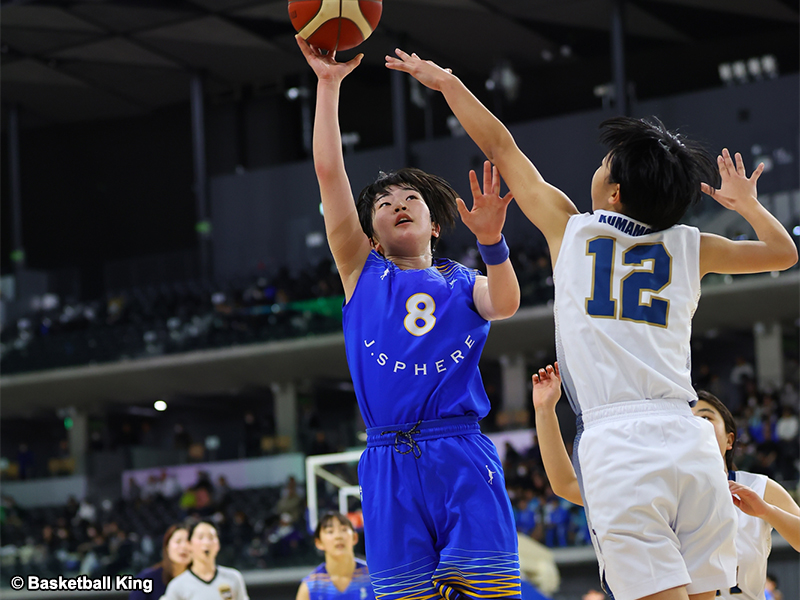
column 727, row 418
column 658, row 171
column 192, row 525
column 435, row 191
column 327, row 518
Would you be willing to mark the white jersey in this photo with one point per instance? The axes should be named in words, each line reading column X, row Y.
column 753, row 545
column 227, row 584
column 624, row 302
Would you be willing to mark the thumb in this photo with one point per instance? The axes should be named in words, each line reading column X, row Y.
column 707, row 189
column 757, row 173
column 462, row 209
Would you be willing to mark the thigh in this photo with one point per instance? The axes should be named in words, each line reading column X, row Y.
column 398, row 531
column 706, row 521
column 631, row 497
column 478, row 554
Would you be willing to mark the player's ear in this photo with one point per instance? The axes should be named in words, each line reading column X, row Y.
column 318, row 544
column 355, row 537
column 436, row 229
column 615, row 198
column 729, row 442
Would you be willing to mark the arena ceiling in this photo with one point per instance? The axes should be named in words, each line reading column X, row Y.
column 66, row 61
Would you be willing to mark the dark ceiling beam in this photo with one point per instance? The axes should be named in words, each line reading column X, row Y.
column 54, row 64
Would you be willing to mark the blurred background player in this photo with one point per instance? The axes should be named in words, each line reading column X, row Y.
column 204, row 579
column 176, row 555
column 414, row 331
column 627, row 283
column 342, row 576
column 763, row 503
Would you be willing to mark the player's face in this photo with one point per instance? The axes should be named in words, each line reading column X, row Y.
column 706, row 411
column 401, row 223
column 178, row 548
column 602, row 189
column 204, row 543
column 336, row 539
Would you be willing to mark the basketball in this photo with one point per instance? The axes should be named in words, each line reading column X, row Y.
column 335, row 24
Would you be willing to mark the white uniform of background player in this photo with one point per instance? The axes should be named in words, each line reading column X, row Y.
column 753, row 545
column 653, row 480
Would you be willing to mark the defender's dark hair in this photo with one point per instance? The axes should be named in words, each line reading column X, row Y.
column 326, row 520
column 435, row 191
column 727, row 418
column 658, row 171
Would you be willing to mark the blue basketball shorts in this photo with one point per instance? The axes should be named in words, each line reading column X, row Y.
column 437, row 518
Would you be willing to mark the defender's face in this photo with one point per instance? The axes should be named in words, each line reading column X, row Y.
column 602, row 189
column 204, row 543
column 336, row 539
column 706, row 411
column 401, row 223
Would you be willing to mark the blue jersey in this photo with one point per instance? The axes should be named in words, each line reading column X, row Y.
column 414, row 339
column 320, row 586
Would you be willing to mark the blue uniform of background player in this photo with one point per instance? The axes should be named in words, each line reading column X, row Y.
column 342, row 576
column 437, row 519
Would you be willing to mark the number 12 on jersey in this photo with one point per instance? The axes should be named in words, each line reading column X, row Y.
column 655, row 275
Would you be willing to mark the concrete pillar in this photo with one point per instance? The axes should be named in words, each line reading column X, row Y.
column 768, row 342
column 78, row 437
column 515, row 390
column 285, row 403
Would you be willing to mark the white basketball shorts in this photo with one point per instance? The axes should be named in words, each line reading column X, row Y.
column 657, row 499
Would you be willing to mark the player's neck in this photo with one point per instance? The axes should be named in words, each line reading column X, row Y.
column 340, row 566
column 405, row 263
column 204, row 569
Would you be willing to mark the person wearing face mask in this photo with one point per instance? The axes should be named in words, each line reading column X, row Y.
column 204, row 579
column 342, row 576
column 175, row 559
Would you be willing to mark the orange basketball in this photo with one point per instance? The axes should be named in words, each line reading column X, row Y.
column 335, row 24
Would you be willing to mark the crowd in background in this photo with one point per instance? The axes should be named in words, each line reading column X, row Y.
column 156, row 320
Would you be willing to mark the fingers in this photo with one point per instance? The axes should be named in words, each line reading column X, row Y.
column 707, row 189
column 558, row 373
column 730, row 169
column 740, row 165
column 462, row 209
column 488, row 184
column 757, row 173
column 473, row 184
column 535, row 379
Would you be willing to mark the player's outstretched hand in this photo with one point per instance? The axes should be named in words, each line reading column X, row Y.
column 325, row 66
column 488, row 214
column 748, row 501
column 546, row 388
column 736, row 186
column 427, row 72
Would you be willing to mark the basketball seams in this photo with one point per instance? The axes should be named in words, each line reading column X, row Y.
column 335, row 25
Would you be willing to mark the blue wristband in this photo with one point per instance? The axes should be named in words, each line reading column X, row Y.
column 496, row 254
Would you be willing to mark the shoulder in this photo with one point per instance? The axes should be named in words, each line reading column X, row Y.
column 316, row 575
column 151, row 573
column 450, row 269
column 229, row 572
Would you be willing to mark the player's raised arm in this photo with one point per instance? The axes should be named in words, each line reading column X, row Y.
column 496, row 296
column 546, row 206
column 349, row 245
column 774, row 250
column 559, row 469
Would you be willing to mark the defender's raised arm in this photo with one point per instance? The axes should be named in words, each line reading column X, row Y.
column 774, row 250
column 546, row 206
